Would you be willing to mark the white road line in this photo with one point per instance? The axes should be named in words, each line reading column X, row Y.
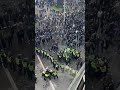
column 10, row 79
column 41, row 62
column 51, row 84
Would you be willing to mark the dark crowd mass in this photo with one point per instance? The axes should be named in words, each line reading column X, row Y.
column 71, row 30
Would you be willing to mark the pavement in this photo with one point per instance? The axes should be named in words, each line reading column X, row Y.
column 62, row 82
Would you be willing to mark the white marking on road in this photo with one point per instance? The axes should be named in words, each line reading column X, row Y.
column 10, row 79
column 51, row 84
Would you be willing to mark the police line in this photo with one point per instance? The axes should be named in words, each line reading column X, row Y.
column 66, row 67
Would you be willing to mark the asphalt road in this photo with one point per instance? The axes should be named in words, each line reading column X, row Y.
column 62, row 83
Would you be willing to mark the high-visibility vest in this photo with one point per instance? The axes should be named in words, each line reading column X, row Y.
column 45, row 53
column 52, row 60
column 43, row 72
column 17, row 61
column 47, row 75
column 56, row 66
column 62, row 66
column 51, row 70
column 48, row 55
column 55, row 74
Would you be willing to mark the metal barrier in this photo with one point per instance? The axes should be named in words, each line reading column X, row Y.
column 77, row 80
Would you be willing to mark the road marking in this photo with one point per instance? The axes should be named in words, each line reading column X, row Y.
column 41, row 62
column 10, row 78
column 51, row 84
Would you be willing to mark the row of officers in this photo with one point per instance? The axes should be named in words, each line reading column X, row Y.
column 17, row 64
column 54, row 62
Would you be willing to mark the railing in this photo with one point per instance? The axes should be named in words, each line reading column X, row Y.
column 77, row 80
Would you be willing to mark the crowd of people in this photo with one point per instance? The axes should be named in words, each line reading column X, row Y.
column 74, row 29
column 71, row 30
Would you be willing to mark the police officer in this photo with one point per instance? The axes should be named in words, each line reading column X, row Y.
column 55, row 75
column 57, row 67
column 51, row 72
column 43, row 73
column 54, row 63
column 52, row 59
column 47, row 76
column 62, row 67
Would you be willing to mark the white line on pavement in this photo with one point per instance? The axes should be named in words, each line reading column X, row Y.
column 10, row 79
column 51, row 84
